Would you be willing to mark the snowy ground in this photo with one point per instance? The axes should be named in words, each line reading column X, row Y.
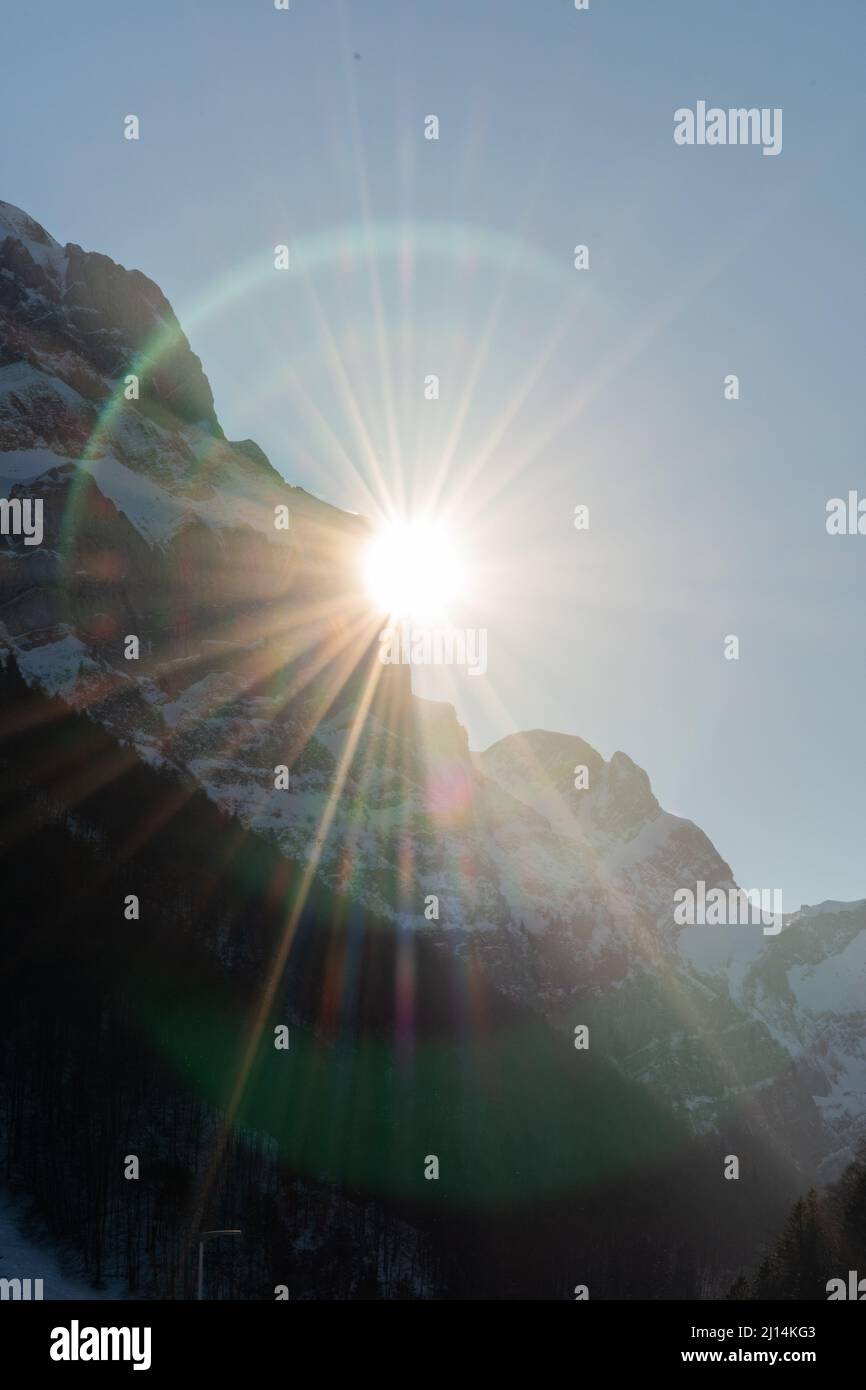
column 24, row 1257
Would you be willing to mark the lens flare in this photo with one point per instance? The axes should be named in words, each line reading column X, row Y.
column 412, row 570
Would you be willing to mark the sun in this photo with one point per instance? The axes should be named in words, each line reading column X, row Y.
column 412, row 570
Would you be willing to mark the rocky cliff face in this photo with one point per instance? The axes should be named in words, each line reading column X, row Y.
column 155, row 526
column 78, row 317
column 256, row 649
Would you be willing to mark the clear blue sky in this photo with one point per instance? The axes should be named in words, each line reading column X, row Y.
column 707, row 517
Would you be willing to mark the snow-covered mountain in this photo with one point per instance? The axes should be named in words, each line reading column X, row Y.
column 256, row 650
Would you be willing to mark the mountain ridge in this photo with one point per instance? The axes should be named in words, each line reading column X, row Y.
column 257, row 651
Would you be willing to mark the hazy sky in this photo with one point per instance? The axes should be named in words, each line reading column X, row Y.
column 558, row 387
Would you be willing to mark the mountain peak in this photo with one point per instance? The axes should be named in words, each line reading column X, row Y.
column 39, row 244
column 70, row 308
column 542, row 768
column 18, row 223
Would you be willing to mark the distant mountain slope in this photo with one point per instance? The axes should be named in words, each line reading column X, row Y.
column 126, row 1036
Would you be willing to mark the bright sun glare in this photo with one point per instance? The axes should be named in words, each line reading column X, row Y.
column 412, row 570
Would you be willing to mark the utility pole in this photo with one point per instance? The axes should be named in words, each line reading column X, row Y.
column 208, row 1235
